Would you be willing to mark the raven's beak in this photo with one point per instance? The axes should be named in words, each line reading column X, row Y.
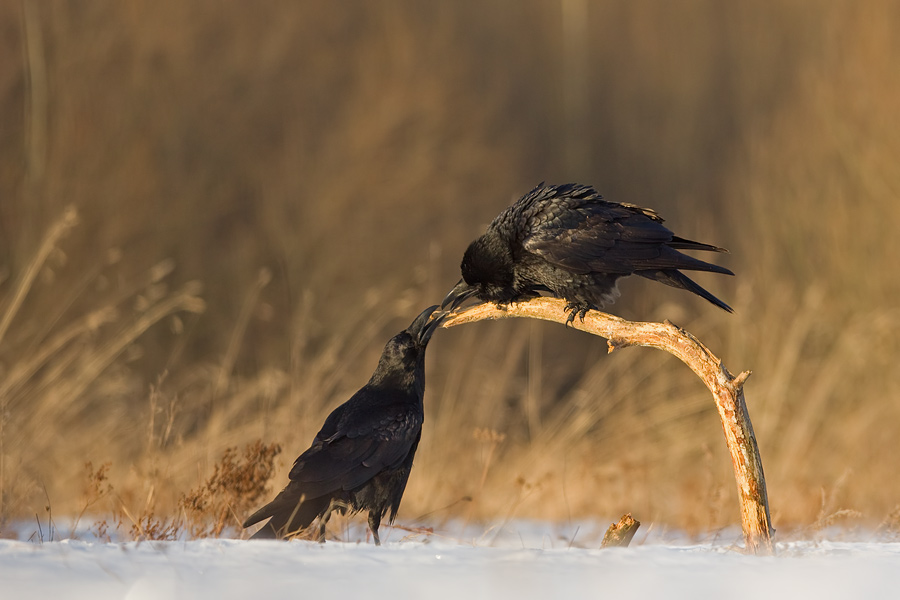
column 418, row 324
column 459, row 294
column 431, row 326
column 424, row 326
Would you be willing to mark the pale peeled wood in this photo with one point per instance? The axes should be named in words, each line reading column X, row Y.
column 727, row 391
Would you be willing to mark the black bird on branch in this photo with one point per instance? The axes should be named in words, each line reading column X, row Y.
column 567, row 241
column 361, row 458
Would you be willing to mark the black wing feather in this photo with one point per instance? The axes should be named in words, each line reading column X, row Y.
column 591, row 235
column 349, row 457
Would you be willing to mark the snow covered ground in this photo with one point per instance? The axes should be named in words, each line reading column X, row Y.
column 524, row 562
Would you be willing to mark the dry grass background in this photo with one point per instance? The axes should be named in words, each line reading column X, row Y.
column 213, row 216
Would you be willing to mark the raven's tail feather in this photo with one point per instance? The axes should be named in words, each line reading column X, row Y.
column 677, row 279
column 289, row 513
column 686, row 244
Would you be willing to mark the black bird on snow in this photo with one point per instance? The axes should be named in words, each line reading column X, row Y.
column 567, row 241
column 362, row 456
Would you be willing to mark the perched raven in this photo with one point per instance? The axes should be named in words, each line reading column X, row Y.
column 567, row 241
column 361, row 458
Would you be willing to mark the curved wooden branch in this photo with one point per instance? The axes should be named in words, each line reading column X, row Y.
column 727, row 391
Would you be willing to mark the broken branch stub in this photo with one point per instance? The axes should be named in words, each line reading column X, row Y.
column 727, row 391
column 619, row 534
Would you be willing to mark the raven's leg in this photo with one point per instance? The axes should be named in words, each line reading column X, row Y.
column 323, row 521
column 575, row 308
column 374, row 524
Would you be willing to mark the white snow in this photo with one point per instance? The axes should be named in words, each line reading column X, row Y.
column 525, row 562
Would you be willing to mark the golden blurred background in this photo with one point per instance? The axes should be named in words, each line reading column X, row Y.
column 213, row 215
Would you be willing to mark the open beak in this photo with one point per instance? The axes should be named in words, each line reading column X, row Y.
column 431, row 326
column 459, row 294
column 424, row 326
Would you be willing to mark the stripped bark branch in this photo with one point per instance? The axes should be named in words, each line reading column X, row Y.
column 727, row 391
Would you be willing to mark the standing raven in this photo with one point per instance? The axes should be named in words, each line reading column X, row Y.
column 568, row 241
column 361, row 458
